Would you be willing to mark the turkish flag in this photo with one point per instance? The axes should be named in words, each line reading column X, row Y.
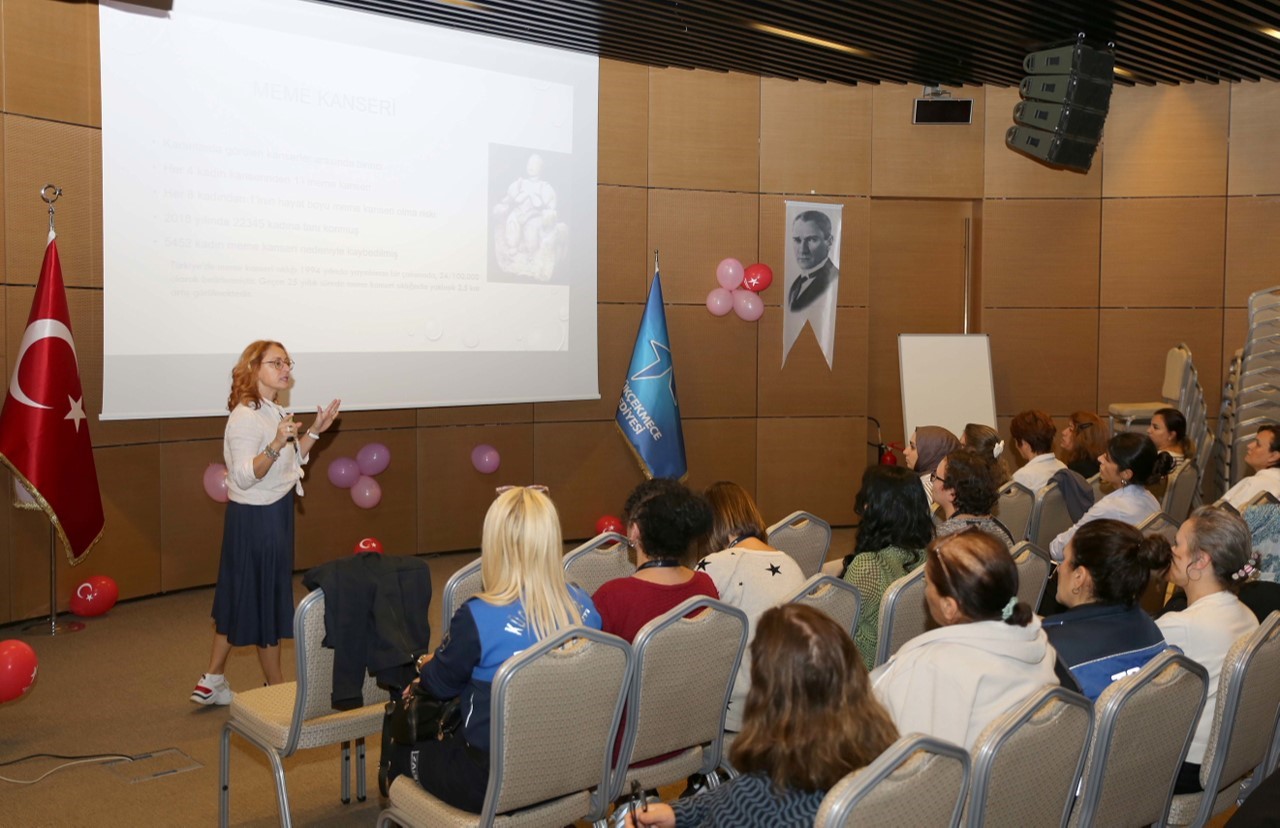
column 44, row 431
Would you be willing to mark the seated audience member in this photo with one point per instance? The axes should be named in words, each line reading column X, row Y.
column 1130, row 465
column 810, row 720
column 664, row 520
column 925, row 450
column 1082, row 440
column 1212, row 557
column 965, row 488
column 894, row 526
column 986, row 441
column 1104, row 635
column 525, row 599
column 1263, row 456
column 988, row 654
column 1032, row 433
column 1168, row 430
column 748, row 573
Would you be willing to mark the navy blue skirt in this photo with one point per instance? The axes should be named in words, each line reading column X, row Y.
column 253, row 601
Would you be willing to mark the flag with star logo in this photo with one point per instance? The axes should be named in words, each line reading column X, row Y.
column 648, row 410
column 44, row 431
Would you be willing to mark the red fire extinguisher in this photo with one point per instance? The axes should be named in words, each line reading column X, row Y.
column 887, row 452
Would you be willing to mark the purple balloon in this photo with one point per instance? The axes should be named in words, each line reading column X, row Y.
column 748, row 305
column 366, row 492
column 729, row 274
column 215, row 482
column 373, row 458
column 719, row 302
column 343, row 472
column 485, row 458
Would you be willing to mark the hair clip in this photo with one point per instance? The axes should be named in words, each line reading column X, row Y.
column 997, row 449
column 1007, row 612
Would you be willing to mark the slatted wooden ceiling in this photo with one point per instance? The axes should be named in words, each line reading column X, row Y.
column 951, row 42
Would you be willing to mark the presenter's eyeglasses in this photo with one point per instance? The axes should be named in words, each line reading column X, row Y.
column 280, row 364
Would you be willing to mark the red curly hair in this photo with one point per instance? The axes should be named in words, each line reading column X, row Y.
column 244, row 377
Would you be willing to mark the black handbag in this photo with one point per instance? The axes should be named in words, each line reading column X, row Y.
column 420, row 718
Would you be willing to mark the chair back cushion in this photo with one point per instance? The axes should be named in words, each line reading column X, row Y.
column 838, row 599
column 903, row 614
column 1049, row 516
column 597, row 561
column 463, row 584
column 1014, row 508
column 805, row 537
column 1245, row 716
column 1033, row 572
column 916, row 781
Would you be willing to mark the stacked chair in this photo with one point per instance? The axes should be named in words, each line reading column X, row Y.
column 1251, row 391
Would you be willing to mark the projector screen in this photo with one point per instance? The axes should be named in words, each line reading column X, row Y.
column 410, row 210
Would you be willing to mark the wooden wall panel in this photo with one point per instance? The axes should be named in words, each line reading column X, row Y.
column 51, row 60
column 694, row 232
column 814, row 138
column 193, row 428
column 452, row 496
column 590, row 471
column 933, row 161
column 810, row 463
column 715, row 363
column 191, row 521
column 806, row 386
column 624, row 123
column 1009, row 174
column 39, row 153
column 469, row 415
column 6, row 545
column 616, row 327
column 1040, row 253
column 1167, row 141
column 704, row 130
column 623, row 234
column 329, row 523
column 1255, row 122
column 917, row 286
column 1165, row 252
column 720, row 450
column 1043, row 358
column 1253, row 247
column 855, row 246
column 1133, row 342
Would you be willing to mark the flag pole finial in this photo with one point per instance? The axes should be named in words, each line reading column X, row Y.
column 49, row 193
column 655, row 260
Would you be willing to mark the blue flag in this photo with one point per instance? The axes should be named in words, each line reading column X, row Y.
column 648, row 411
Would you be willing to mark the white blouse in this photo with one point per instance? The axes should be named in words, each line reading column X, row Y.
column 249, row 430
column 1127, row 504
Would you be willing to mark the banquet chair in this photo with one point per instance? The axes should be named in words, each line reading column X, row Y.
column 1014, row 508
column 803, row 536
column 283, row 718
column 1034, row 566
column 1049, row 516
column 600, row 559
column 836, row 598
column 903, row 614
column 549, row 757
column 1143, row 727
column 918, row 780
column 463, row 584
column 1027, row 763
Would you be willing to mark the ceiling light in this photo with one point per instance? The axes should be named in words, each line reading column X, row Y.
column 1122, row 72
column 1270, row 32
column 812, row 41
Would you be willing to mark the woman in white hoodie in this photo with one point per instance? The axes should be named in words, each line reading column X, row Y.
column 988, row 654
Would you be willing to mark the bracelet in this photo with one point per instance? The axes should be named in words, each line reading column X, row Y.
column 312, row 435
column 272, row 453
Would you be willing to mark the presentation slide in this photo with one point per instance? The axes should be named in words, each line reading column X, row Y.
column 410, row 210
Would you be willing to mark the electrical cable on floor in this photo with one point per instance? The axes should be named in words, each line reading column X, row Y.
column 75, row 760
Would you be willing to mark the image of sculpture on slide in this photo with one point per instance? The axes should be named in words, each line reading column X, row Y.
column 529, row 215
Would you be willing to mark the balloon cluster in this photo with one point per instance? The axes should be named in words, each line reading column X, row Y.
column 739, row 289
column 17, row 668
column 94, row 596
column 357, row 475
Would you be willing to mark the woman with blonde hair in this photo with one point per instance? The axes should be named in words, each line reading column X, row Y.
column 810, row 720
column 525, row 599
column 264, row 451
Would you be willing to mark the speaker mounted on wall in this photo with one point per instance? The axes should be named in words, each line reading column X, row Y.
column 1066, row 99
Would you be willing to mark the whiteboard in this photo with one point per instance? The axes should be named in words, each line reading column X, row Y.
column 946, row 381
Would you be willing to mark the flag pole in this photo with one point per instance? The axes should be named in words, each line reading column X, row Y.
column 49, row 193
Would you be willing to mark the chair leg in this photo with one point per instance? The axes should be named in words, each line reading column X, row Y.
column 360, row 774
column 224, row 778
column 282, row 793
column 346, row 773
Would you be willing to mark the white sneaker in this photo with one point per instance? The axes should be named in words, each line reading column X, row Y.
column 212, row 689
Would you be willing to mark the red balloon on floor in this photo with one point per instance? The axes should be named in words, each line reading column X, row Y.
column 609, row 523
column 17, row 668
column 94, row 596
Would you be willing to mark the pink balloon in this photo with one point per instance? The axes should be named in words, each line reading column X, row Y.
column 373, row 458
column 366, row 492
column 215, row 482
column 485, row 458
column 747, row 305
column 729, row 274
column 719, row 302
column 343, row 472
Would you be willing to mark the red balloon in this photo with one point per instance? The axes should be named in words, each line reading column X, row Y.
column 17, row 668
column 609, row 523
column 94, row 596
column 757, row 277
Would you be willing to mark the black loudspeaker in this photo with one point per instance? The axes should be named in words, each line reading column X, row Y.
column 1067, row 96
